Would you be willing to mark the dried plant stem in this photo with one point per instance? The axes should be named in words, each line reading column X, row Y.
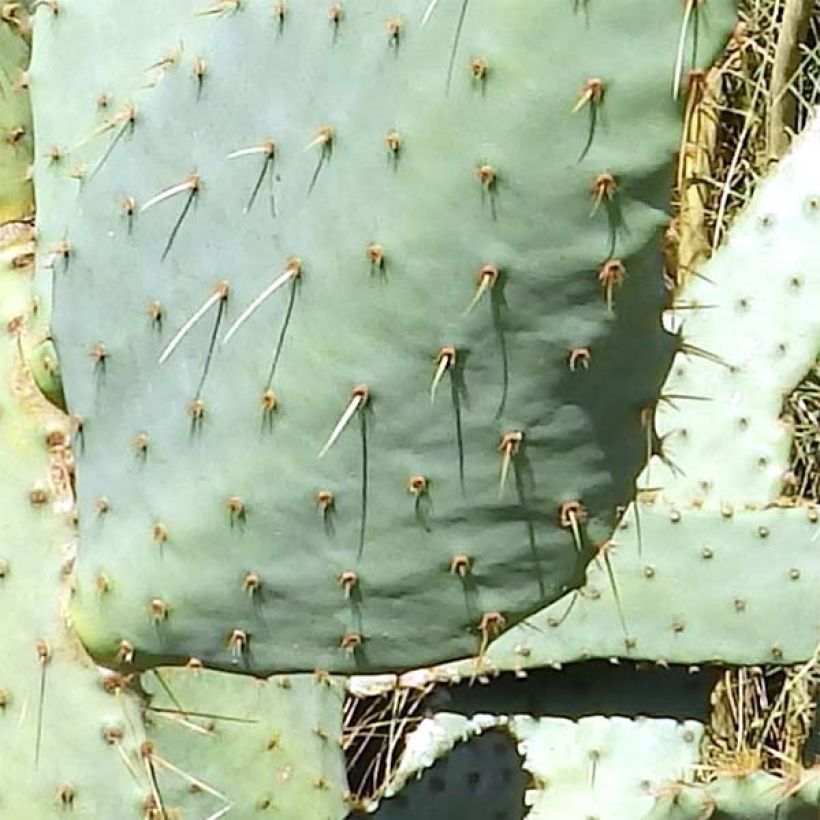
column 783, row 108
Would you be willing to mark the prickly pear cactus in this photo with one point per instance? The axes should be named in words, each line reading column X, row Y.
column 702, row 518
column 608, row 768
column 65, row 727
column 723, row 524
column 235, row 746
column 595, row 767
column 352, row 331
column 370, row 347
column 77, row 739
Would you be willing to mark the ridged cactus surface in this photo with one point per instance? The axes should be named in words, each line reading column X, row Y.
column 454, row 227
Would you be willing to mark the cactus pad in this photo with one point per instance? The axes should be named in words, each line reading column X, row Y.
column 377, row 224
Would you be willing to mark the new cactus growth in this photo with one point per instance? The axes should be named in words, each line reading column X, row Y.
column 411, row 342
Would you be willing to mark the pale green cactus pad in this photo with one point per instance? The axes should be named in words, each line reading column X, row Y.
column 749, row 319
column 70, row 737
column 250, row 748
column 606, row 768
column 701, row 588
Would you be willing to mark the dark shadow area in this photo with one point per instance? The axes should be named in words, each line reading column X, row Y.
column 582, row 689
column 625, row 377
column 481, row 779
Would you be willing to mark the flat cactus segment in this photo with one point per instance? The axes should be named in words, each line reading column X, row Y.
column 249, row 747
column 750, row 324
column 69, row 734
column 755, row 796
column 72, row 735
column 691, row 587
column 295, row 233
column 704, row 518
column 15, row 119
column 608, row 768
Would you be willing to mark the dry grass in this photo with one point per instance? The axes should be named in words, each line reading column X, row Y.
column 373, row 738
column 803, row 409
column 761, row 720
column 738, row 103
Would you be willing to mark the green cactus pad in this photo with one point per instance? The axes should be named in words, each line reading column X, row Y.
column 608, row 768
column 757, row 796
column 345, row 140
column 72, row 736
column 685, row 587
column 250, row 748
column 750, row 330
column 16, row 145
column 716, row 525
column 69, row 734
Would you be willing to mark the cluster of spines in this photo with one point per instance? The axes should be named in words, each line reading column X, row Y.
column 611, row 274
